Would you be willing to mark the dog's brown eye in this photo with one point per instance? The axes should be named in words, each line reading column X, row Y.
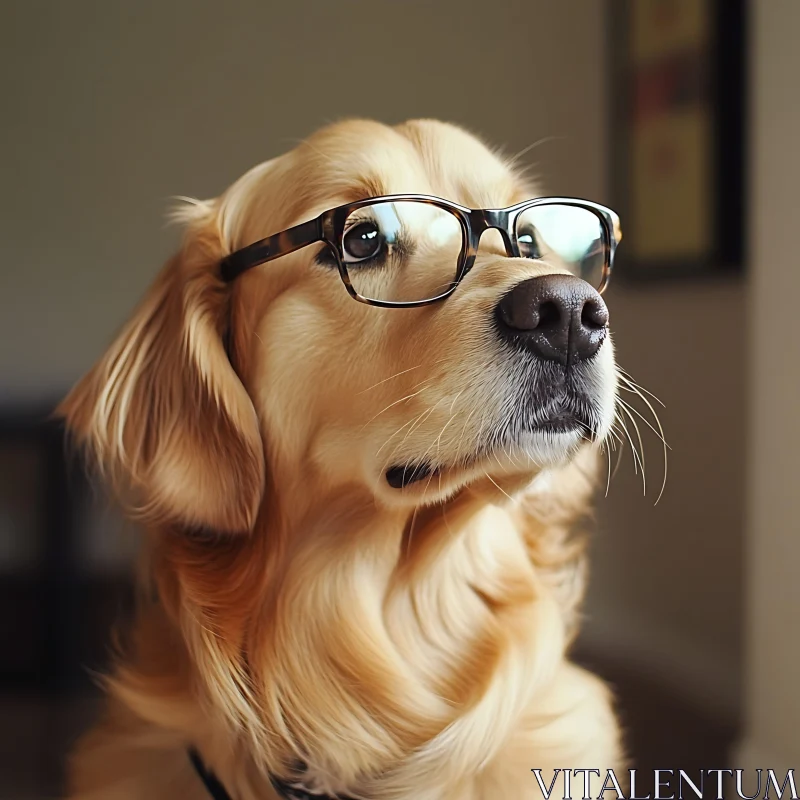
column 362, row 241
column 528, row 246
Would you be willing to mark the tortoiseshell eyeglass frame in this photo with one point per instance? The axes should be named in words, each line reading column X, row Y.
column 329, row 227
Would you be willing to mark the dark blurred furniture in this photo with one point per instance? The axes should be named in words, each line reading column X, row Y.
column 54, row 613
column 37, row 596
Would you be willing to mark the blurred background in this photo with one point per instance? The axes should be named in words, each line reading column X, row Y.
column 109, row 109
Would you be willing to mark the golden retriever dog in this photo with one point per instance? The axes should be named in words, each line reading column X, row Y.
column 364, row 562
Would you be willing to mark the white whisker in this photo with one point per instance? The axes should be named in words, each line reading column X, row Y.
column 398, row 374
column 630, row 385
column 643, row 419
column 626, row 411
column 391, row 405
column 636, row 460
column 665, row 446
column 626, row 376
column 500, row 488
column 391, row 377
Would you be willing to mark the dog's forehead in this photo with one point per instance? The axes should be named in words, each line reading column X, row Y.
column 461, row 167
column 361, row 159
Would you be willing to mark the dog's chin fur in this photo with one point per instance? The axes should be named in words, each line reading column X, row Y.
column 516, row 463
column 302, row 617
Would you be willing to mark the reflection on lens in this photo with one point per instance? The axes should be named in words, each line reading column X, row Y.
column 402, row 251
column 564, row 237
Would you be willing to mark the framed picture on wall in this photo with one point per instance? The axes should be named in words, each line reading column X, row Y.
column 677, row 96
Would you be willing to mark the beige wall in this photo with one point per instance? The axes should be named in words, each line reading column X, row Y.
column 666, row 592
column 772, row 736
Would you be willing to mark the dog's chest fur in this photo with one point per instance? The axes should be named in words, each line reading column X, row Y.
column 404, row 663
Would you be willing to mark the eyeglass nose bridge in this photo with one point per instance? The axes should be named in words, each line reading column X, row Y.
column 498, row 219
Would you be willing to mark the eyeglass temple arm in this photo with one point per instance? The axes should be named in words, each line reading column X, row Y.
column 280, row 244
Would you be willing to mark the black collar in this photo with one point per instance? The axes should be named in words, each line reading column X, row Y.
column 218, row 792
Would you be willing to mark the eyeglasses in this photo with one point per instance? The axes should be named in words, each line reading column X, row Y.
column 371, row 241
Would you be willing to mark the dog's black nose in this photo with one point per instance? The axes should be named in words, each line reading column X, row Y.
column 555, row 317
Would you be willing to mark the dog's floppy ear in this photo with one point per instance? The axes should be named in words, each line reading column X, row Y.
column 163, row 413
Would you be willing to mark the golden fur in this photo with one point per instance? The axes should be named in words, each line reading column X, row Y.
column 400, row 644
